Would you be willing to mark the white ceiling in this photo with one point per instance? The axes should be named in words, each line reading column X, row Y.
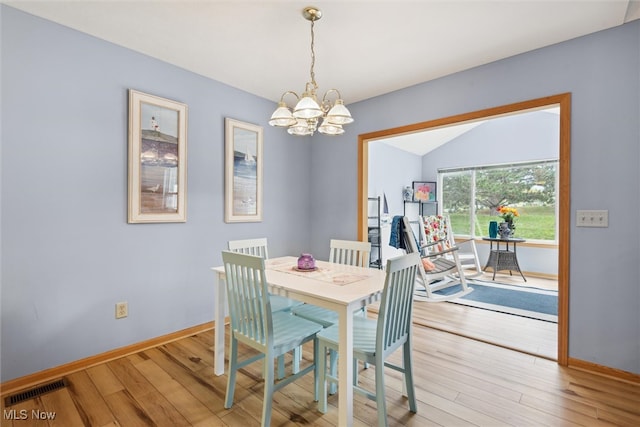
column 363, row 48
column 422, row 142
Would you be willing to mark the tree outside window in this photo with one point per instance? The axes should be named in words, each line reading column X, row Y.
column 472, row 196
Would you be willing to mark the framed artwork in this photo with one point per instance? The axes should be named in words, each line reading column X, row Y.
column 424, row 191
column 157, row 159
column 243, row 172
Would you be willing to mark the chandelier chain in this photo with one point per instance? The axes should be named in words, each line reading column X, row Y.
column 313, row 56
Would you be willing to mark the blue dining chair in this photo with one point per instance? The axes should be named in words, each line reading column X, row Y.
column 346, row 252
column 258, row 247
column 376, row 340
column 254, row 324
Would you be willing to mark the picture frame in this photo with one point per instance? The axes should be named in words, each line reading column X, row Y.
column 243, row 171
column 157, row 161
column 424, row 191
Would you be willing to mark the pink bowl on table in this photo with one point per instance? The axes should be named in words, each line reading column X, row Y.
column 306, row 262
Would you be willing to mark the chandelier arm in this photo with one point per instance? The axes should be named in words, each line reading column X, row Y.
column 325, row 98
column 289, row 92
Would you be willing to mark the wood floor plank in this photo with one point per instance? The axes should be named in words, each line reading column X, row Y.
column 619, row 418
column 561, row 410
column 154, row 404
column 59, row 408
column 209, row 389
column 196, row 351
column 91, row 406
column 127, row 411
column 184, row 357
column 184, row 402
column 104, row 379
column 239, row 417
column 621, row 406
column 134, row 382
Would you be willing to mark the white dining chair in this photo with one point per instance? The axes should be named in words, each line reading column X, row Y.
column 349, row 252
column 254, row 324
column 376, row 340
column 259, row 247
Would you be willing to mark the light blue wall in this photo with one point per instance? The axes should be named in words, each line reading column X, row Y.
column 602, row 72
column 390, row 170
column 515, row 138
column 68, row 254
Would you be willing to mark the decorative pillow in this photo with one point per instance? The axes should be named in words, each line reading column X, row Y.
column 436, row 230
column 428, row 265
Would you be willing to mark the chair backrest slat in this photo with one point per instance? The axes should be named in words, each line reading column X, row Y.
column 349, row 252
column 256, row 247
column 396, row 306
column 247, row 294
column 410, row 243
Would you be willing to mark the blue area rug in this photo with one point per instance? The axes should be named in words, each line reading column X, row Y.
column 524, row 301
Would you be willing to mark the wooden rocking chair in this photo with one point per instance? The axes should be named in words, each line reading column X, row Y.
column 440, row 269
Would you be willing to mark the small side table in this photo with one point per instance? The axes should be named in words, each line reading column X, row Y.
column 503, row 259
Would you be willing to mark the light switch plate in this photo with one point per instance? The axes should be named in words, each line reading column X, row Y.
column 592, row 218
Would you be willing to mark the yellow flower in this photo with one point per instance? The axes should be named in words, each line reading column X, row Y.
column 507, row 213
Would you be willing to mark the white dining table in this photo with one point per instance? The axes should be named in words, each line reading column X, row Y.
column 338, row 287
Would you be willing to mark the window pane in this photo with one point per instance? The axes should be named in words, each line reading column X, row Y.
column 530, row 189
column 456, row 200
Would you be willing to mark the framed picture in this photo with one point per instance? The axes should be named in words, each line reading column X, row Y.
column 424, row 191
column 243, row 172
column 157, row 159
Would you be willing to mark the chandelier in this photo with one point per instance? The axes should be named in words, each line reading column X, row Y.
column 307, row 111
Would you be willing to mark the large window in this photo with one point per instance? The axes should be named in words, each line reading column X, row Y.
column 472, row 195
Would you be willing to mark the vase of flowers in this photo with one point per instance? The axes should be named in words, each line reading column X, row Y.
column 508, row 215
column 504, row 231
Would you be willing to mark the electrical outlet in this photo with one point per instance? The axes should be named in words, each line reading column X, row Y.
column 599, row 218
column 122, row 310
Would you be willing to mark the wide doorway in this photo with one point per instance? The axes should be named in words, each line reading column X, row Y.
column 465, row 320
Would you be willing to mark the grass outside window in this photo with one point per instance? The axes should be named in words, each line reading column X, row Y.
column 534, row 222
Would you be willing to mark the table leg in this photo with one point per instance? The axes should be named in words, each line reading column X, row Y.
column 517, row 263
column 345, row 368
column 218, row 330
column 496, row 263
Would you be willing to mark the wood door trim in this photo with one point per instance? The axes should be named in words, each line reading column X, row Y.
column 563, row 100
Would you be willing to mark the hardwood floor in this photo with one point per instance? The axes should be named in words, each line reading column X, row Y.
column 459, row 382
column 535, row 337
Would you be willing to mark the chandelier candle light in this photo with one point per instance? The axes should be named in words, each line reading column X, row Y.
column 307, row 112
